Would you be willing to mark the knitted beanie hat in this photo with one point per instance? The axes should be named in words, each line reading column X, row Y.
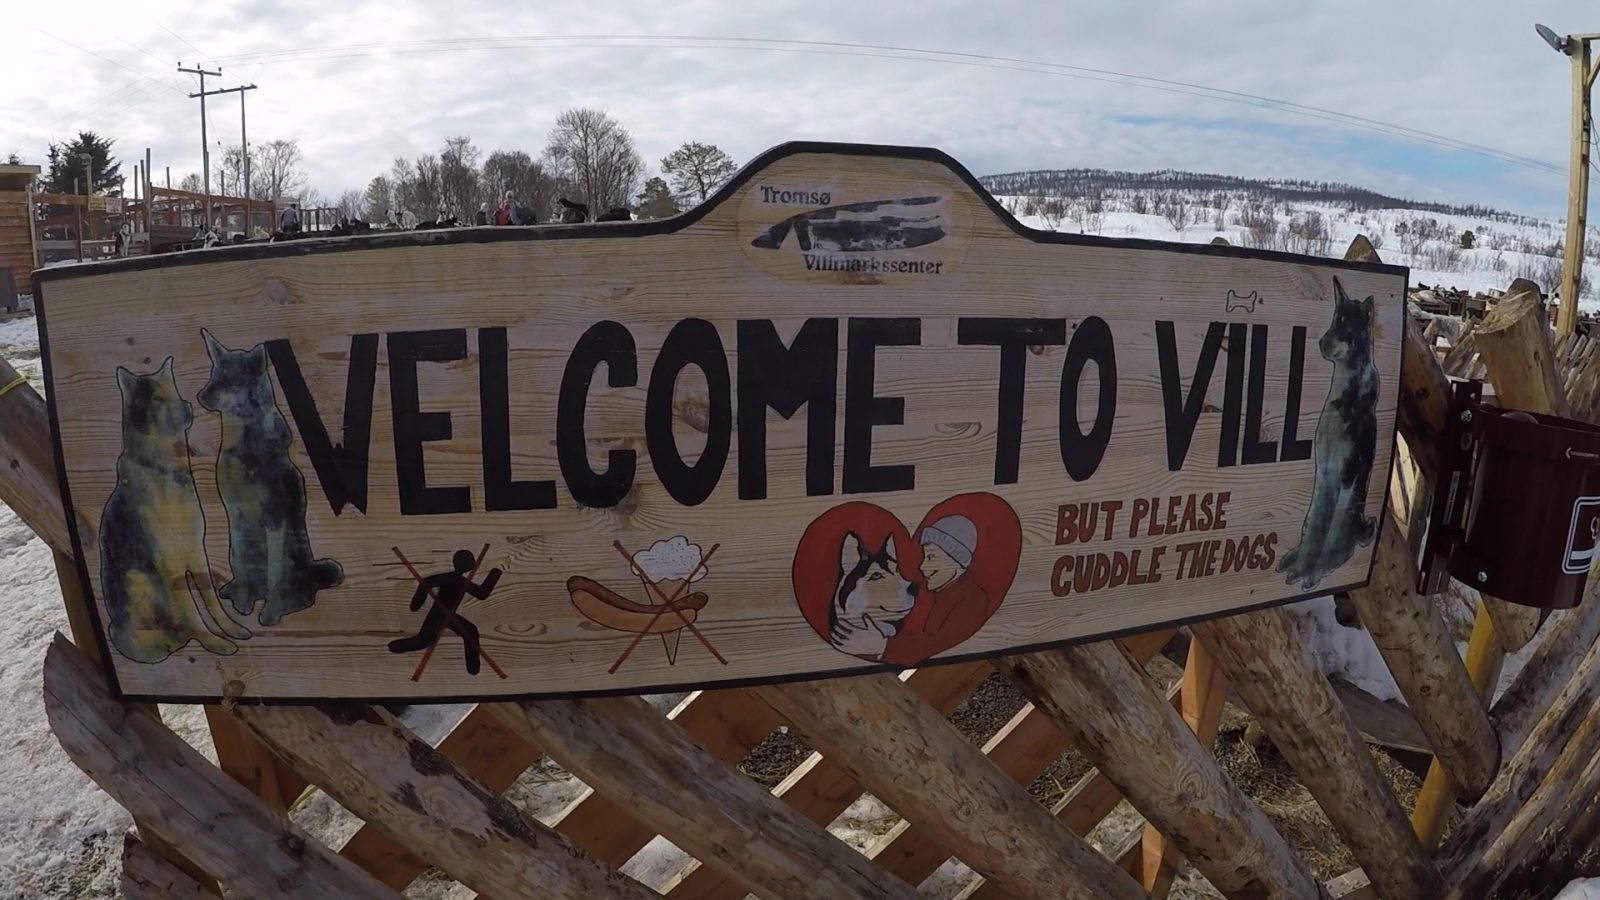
column 955, row 535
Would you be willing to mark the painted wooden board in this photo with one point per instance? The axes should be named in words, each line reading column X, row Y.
column 846, row 415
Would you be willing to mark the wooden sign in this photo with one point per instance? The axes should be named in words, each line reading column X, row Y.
column 846, row 415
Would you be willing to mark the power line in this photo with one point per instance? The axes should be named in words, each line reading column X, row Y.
column 107, row 59
column 893, row 52
column 202, row 53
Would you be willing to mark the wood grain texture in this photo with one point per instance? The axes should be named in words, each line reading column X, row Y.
column 250, row 763
column 1116, row 719
column 713, row 265
column 1514, row 340
column 1549, row 671
column 907, row 755
column 1023, row 748
column 1572, row 721
column 376, row 768
column 1269, row 667
column 217, row 823
column 485, row 750
column 30, row 487
column 623, row 747
column 726, row 723
column 146, row 875
column 1202, row 695
column 819, row 789
column 1426, row 666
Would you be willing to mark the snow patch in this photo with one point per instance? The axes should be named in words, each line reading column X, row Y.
column 1582, row 889
column 1340, row 650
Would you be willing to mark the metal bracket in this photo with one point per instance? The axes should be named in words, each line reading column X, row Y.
column 1447, row 521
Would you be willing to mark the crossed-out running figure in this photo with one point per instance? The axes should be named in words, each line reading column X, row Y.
column 449, row 589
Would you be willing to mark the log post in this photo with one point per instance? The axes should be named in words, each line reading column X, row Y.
column 1203, row 692
column 1436, row 797
column 1268, row 666
column 1548, row 671
column 1573, row 722
column 484, row 750
column 1549, row 782
column 910, row 757
column 172, row 790
column 365, row 759
column 29, row 461
column 1115, row 718
column 146, row 875
column 1515, row 343
column 1426, row 666
column 818, row 788
column 625, row 748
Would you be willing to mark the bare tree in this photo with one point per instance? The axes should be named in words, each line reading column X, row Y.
column 596, row 154
column 191, row 183
column 697, row 169
column 529, row 181
column 350, row 204
column 459, row 189
column 275, row 169
column 417, row 185
column 1176, row 212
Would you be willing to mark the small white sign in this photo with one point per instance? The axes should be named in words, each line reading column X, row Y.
column 1583, row 536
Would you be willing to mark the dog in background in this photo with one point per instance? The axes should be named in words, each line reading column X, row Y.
column 154, row 574
column 269, row 551
column 870, row 600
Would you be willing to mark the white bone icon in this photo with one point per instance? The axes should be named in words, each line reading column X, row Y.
column 1247, row 302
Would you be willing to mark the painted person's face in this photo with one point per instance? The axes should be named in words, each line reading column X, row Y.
column 938, row 567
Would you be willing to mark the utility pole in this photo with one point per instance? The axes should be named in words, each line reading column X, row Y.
column 205, row 145
column 1575, row 46
column 244, row 145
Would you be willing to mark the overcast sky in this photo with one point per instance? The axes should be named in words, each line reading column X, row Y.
column 353, row 83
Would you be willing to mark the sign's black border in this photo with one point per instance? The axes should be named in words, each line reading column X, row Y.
column 446, row 237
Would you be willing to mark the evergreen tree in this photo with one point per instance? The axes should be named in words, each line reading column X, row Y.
column 656, row 201
column 66, row 165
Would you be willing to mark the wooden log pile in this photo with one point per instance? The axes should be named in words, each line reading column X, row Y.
column 1522, row 762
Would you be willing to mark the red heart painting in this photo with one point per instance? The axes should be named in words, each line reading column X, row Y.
column 873, row 590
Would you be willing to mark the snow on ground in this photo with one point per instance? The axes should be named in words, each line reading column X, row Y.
column 1585, row 889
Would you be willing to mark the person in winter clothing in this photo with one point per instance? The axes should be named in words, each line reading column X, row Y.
column 289, row 220
column 482, row 216
column 958, row 607
column 502, row 215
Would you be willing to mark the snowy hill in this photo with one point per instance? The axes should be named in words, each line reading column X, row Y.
column 1469, row 247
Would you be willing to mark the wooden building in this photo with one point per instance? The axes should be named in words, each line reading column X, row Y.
column 16, row 232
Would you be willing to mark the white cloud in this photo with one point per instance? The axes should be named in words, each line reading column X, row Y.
column 1472, row 70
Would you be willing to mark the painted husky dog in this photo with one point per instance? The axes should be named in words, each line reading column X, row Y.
column 870, row 599
column 154, row 574
column 269, row 551
column 1344, row 449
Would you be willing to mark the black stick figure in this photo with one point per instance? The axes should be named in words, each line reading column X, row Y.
column 449, row 589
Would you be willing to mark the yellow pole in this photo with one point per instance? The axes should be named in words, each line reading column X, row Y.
column 1484, row 657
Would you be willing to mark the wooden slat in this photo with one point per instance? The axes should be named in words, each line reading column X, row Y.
column 621, row 746
column 727, row 723
column 1203, row 695
column 146, row 875
column 1426, row 666
column 1269, row 667
column 484, row 749
column 1022, row 748
column 820, row 789
column 173, row 791
column 376, row 768
column 906, row 754
column 1115, row 718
